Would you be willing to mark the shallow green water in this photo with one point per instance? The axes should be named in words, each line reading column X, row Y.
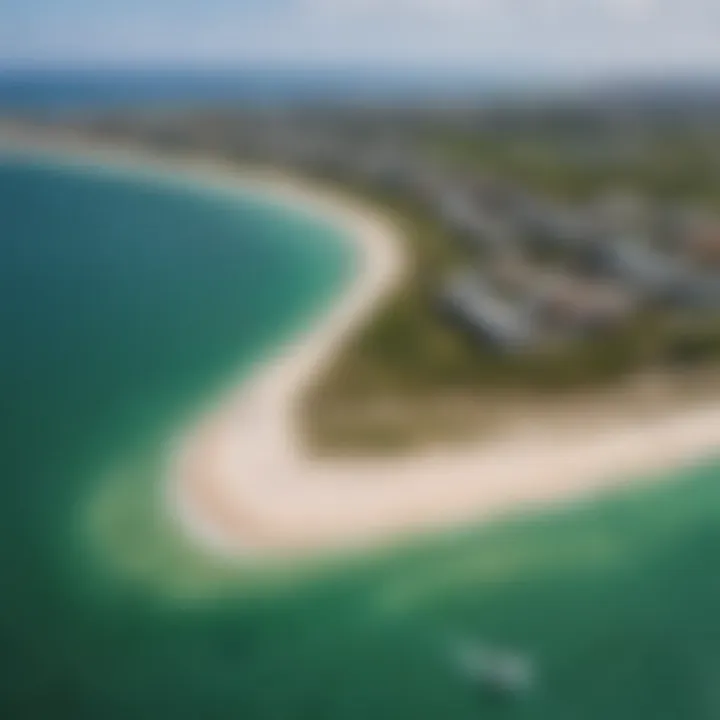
column 124, row 303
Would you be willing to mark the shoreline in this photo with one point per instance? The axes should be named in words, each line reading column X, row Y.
column 240, row 482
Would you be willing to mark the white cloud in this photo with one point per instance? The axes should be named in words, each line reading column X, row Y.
column 634, row 9
column 468, row 9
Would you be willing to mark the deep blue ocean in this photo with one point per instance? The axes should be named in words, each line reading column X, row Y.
column 71, row 90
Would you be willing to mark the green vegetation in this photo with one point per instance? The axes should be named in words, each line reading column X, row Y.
column 411, row 378
column 677, row 163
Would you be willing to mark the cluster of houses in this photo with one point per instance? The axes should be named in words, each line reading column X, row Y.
column 579, row 271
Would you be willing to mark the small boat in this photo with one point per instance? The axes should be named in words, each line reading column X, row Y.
column 496, row 670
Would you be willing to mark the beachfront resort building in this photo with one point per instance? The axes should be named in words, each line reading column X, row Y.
column 496, row 321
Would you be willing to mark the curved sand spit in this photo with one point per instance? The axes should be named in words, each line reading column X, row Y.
column 241, row 482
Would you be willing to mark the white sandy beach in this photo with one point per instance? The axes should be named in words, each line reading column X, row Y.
column 241, row 482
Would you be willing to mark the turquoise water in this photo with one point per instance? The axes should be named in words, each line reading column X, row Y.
column 125, row 303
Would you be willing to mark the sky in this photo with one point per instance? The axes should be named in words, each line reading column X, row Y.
column 553, row 36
